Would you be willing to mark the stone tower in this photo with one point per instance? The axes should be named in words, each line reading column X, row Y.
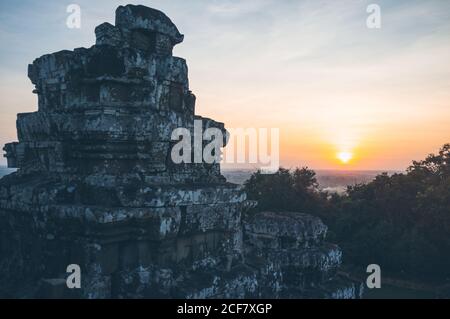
column 96, row 185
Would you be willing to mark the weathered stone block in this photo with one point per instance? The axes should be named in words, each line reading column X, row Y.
column 96, row 186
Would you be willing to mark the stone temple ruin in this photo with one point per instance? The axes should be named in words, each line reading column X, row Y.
column 96, row 187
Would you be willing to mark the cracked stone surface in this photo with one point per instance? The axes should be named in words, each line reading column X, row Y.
column 96, row 186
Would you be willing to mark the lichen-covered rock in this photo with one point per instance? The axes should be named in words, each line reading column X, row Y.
column 292, row 257
column 284, row 230
column 96, row 187
column 147, row 19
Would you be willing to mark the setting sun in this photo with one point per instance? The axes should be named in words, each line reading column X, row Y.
column 345, row 157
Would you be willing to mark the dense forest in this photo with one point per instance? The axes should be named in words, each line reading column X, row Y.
column 400, row 221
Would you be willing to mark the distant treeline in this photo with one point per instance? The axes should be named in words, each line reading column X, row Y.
column 401, row 222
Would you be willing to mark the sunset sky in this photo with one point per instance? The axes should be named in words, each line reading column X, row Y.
column 378, row 97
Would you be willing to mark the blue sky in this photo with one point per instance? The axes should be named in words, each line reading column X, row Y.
column 312, row 68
